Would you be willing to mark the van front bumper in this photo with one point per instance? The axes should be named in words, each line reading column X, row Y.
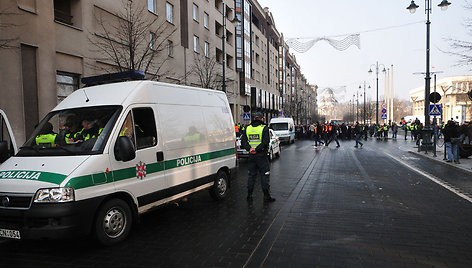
column 52, row 221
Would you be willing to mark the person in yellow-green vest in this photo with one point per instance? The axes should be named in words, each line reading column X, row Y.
column 192, row 135
column 46, row 137
column 256, row 140
column 89, row 130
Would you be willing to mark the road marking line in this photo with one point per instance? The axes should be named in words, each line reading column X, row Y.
column 432, row 178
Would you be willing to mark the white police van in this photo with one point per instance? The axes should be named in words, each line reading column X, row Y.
column 284, row 128
column 110, row 152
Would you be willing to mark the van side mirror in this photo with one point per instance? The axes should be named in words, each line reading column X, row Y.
column 124, row 149
column 4, row 154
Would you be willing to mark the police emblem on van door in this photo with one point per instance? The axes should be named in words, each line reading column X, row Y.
column 140, row 170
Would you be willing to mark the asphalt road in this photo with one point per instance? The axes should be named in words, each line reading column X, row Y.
column 376, row 206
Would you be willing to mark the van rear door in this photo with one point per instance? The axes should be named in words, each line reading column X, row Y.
column 8, row 146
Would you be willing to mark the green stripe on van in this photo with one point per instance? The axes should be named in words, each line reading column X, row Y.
column 127, row 173
column 32, row 176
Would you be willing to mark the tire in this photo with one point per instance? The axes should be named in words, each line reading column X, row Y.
column 113, row 222
column 292, row 141
column 219, row 190
column 278, row 154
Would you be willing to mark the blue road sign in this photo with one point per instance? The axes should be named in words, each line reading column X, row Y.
column 384, row 111
column 435, row 109
column 246, row 117
column 384, row 116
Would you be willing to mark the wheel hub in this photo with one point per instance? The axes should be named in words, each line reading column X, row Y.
column 114, row 222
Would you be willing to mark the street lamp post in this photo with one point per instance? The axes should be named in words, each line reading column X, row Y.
column 357, row 107
column 427, row 130
column 364, row 101
column 376, row 65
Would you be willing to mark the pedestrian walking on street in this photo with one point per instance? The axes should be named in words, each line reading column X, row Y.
column 394, row 131
column 357, row 132
column 317, row 132
column 451, row 139
column 333, row 134
column 256, row 141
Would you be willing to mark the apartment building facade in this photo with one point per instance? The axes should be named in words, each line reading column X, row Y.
column 48, row 46
column 455, row 101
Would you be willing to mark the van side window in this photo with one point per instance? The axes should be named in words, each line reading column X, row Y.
column 144, row 127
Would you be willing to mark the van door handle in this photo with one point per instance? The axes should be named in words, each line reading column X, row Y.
column 160, row 156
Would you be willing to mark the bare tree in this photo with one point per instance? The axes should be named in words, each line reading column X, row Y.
column 462, row 49
column 207, row 71
column 131, row 40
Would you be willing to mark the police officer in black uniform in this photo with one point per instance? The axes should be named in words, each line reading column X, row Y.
column 255, row 139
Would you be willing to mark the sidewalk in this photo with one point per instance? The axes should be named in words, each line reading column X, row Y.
column 465, row 163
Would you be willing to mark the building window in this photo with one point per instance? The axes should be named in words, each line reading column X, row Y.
column 152, row 6
column 195, row 12
column 152, row 40
column 170, row 13
column 195, row 43
column 66, row 84
column 170, row 48
column 206, row 19
column 62, row 11
column 207, row 49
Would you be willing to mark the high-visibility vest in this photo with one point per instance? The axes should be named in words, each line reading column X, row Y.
column 316, row 129
column 330, row 128
column 46, row 139
column 192, row 138
column 236, row 128
column 254, row 135
column 325, row 128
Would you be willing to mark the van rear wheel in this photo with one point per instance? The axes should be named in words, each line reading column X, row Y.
column 113, row 222
column 219, row 190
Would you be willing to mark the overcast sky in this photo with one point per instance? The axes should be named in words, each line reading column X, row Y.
column 403, row 47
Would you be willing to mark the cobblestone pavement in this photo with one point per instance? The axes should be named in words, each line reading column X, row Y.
column 376, row 206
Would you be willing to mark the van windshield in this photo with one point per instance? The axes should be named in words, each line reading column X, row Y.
column 279, row 126
column 78, row 131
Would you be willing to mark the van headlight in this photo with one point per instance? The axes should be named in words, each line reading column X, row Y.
column 54, row 195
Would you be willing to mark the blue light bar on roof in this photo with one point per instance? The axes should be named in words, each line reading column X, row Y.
column 113, row 78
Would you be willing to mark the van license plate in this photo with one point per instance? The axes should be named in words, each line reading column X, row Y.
column 10, row 233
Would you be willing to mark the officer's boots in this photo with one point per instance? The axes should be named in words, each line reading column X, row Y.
column 267, row 197
column 249, row 196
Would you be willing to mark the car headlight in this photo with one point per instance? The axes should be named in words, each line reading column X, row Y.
column 54, row 195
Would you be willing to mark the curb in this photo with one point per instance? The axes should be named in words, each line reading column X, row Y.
column 458, row 166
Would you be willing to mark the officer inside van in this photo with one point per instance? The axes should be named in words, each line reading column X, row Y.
column 46, row 137
column 256, row 140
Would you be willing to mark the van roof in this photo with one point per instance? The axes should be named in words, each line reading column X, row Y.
column 125, row 93
column 281, row 120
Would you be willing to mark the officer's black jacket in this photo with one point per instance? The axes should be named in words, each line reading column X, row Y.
column 261, row 148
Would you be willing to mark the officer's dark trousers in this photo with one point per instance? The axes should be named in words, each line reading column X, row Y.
column 258, row 163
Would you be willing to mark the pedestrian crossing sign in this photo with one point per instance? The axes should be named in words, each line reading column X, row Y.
column 384, row 116
column 246, row 117
column 435, row 109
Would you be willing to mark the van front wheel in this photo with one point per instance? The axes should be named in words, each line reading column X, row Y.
column 113, row 222
column 219, row 190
